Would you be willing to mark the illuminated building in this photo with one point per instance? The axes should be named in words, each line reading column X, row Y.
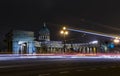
column 23, row 42
column 20, row 42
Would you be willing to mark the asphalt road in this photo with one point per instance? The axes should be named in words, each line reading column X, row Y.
column 60, row 67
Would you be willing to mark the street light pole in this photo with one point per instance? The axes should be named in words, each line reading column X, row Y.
column 64, row 32
column 64, row 46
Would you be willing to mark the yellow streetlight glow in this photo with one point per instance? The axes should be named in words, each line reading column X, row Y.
column 116, row 40
column 62, row 32
column 64, row 28
column 66, row 32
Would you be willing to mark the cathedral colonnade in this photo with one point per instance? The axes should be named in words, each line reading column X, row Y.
column 80, row 49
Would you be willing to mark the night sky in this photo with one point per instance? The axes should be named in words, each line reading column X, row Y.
column 97, row 15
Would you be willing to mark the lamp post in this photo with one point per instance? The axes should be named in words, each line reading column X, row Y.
column 64, row 32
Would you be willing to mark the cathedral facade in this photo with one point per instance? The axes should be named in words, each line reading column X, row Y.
column 24, row 42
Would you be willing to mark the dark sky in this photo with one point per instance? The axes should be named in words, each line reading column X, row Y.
column 98, row 15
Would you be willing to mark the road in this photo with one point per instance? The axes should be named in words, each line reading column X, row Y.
column 82, row 66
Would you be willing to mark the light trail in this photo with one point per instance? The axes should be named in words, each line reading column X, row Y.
column 89, row 32
column 68, row 56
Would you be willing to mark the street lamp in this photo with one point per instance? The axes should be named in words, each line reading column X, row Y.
column 64, row 32
column 116, row 40
column 64, row 28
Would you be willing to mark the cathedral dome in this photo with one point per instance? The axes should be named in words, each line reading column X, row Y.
column 44, row 30
column 44, row 34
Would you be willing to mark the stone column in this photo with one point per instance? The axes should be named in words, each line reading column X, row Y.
column 15, row 47
column 31, row 48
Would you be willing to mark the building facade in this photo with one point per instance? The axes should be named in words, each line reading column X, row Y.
column 23, row 42
column 20, row 42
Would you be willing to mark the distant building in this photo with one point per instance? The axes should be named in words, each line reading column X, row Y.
column 23, row 42
column 20, row 42
column 44, row 34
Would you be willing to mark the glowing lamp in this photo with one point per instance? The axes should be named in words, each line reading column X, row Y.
column 61, row 32
column 66, row 32
column 116, row 40
column 64, row 28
